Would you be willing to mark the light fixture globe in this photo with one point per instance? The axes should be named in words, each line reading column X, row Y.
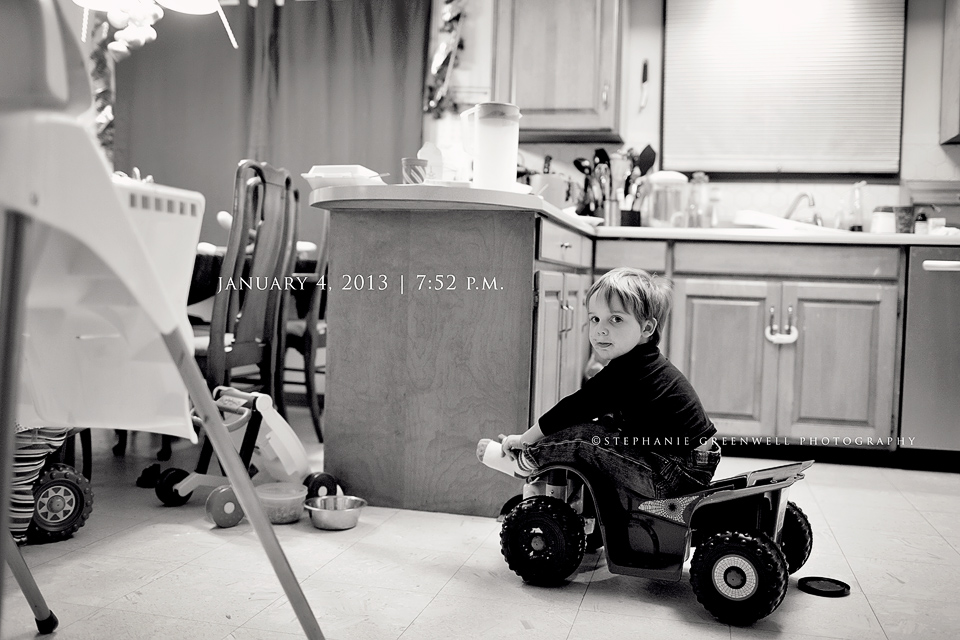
column 98, row 5
column 193, row 7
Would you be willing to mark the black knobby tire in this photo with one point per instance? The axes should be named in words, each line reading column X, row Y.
column 63, row 500
column 542, row 540
column 739, row 577
column 165, row 487
column 796, row 541
column 320, row 484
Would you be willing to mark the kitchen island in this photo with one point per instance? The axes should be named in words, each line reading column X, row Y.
column 456, row 314
column 429, row 315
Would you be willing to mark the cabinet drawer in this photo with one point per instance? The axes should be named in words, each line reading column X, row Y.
column 639, row 254
column 558, row 244
column 844, row 261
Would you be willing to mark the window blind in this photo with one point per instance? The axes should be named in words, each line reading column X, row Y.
column 805, row 86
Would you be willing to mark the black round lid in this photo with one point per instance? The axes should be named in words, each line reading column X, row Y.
column 825, row 587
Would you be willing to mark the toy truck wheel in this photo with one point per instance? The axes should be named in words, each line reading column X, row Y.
column 320, row 484
column 739, row 577
column 63, row 501
column 223, row 508
column 165, row 487
column 542, row 540
column 796, row 541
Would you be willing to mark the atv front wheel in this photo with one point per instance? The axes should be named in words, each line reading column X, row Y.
column 542, row 540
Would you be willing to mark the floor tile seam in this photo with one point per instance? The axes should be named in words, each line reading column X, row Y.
column 420, row 613
column 846, row 560
column 923, row 515
column 707, row 623
column 876, row 616
column 134, row 610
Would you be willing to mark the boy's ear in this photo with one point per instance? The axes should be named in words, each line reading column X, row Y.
column 647, row 327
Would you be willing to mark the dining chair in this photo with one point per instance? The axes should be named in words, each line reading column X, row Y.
column 244, row 340
column 308, row 334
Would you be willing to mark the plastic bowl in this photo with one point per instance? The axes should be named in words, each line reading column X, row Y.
column 335, row 513
column 282, row 501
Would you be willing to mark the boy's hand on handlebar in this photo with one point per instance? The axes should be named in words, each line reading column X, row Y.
column 511, row 445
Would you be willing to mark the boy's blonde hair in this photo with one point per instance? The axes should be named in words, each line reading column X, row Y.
column 645, row 296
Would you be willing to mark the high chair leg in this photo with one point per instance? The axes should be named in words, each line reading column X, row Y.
column 46, row 620
column 222, row 445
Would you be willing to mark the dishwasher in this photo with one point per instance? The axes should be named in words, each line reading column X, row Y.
column 930, row 410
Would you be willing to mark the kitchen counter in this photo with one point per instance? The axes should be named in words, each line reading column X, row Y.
column 430, row 197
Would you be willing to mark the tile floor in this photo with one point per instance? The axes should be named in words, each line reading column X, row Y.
column 140, row 570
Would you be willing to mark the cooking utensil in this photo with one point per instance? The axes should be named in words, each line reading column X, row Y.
column 583, row 166
column 546, row 164
column 600, row 156
column 645, row 160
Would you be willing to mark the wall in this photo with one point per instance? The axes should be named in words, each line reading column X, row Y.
column 922, row 157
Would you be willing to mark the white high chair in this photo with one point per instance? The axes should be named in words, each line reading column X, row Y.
column 64, row 219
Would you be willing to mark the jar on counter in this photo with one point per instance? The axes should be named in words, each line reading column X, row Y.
column 921, row 226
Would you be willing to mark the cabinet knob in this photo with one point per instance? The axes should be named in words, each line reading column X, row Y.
column 565, row 245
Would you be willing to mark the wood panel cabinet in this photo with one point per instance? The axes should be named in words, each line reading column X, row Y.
column 558, row 60
column 792, row 359
column 561, row 343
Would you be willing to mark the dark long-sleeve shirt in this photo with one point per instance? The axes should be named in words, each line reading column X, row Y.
column 647, row 397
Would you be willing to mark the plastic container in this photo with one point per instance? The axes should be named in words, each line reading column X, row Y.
column 665, row 200
column 283, row 501
column 491, row 135
column 335, row 513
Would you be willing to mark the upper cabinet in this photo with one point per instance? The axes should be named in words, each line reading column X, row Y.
column 558, row 60
column 950, row 90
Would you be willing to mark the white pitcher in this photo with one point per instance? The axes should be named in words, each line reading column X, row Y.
column 491, row 136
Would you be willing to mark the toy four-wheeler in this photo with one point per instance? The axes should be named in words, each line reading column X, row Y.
column 747, row 536
column 50, row 500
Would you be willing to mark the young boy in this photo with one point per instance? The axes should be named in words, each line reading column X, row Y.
column 638, row 420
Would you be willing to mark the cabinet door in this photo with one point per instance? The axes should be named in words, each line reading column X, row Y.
column 573, row 319
column 546, row 357
column 837, row 379
column 717, row 341
column 558, row 61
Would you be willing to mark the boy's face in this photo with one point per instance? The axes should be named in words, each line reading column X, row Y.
column 613, row 330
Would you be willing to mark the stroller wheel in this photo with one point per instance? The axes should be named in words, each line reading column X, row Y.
column 320, row 484
column 223, row 508
column 63, row 501
column 165, row 487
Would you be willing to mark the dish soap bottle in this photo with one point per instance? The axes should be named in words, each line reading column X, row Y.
column 856, row 207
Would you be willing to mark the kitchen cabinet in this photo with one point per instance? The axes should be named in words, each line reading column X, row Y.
column 558, row 60
column 561, row 339
column 787, row 356
column 950, row 75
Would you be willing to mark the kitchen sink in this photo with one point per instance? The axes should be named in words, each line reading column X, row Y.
column 757, row 219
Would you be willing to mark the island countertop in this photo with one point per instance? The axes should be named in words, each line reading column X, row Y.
column 429, row 197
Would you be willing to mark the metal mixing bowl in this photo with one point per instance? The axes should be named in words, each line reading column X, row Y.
column 335, row 512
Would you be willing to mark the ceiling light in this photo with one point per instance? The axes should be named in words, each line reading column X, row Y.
column 194, row 7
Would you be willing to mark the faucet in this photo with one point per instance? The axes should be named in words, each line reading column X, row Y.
column 796, row 202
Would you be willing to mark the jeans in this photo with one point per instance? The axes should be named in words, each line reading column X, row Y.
column 652, row 474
